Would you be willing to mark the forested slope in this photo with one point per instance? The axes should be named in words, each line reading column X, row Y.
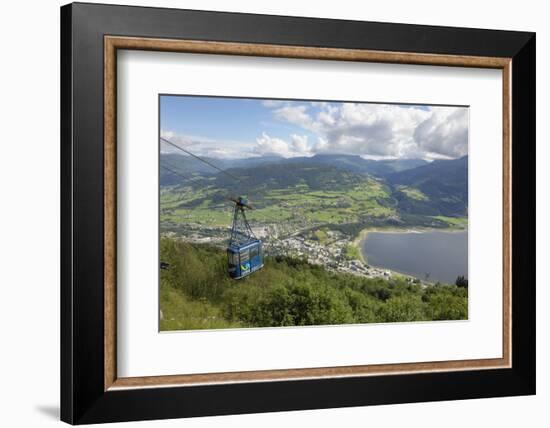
column 196, row 293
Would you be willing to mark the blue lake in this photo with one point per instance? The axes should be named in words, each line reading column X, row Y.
column 441, row 255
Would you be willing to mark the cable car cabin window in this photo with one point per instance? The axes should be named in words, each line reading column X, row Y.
column 245, row 255
column 254, row 252
column 233, row 258
column 233, row 263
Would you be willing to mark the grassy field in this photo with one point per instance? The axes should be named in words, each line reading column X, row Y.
column 412, row 193
column 455, row 222
column 179, row 312
column 295, row 204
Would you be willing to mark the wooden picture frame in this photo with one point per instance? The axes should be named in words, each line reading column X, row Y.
column 91, row 390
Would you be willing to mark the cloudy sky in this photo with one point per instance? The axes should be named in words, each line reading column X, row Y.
column 242, row 127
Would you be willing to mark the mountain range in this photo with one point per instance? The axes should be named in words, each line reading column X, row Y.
column 411, row 186
column 351, row 163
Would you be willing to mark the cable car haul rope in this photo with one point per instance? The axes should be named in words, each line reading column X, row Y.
column 244, row 251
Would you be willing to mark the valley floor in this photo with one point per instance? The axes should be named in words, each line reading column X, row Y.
column 324, row 245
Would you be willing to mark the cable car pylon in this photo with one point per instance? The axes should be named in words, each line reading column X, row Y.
column 244, row 252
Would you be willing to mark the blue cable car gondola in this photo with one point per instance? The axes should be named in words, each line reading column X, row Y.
column 244, row 252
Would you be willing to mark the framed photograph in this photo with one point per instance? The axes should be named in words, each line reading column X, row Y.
column 266, row 213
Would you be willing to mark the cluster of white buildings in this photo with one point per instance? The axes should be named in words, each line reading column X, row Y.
column 331, row 253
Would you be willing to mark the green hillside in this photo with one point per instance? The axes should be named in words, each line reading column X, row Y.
column 312, row 191
column 196, row 293
column 437, row 189
column 311, row 194
column 350, row 163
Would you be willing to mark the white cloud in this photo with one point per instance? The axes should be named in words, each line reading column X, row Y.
column 272, row 103
column 378, row 130
column 295, row 114
column 444, row 133
column 173, row 137
column 224, row 153
column 202, row 146
column 298, row 145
